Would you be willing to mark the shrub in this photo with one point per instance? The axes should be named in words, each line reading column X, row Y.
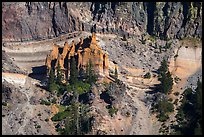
column 128, row 114
column 143, row 41
column 80, row 87
column 160, row 48
column 168, row 45
column 176, row 101
column 147, row 75
column 44, row 102
column 162, row 117
column 124, row 38
column 39, row 114
column 4, row 103
column 170, row 99
column 60, row 130
column 176, row 79
column 152, row 38
column 38, row 126
column 60, row 115
column 112, row 111
column 54, row 100
column 46, row 119
column 176, row 93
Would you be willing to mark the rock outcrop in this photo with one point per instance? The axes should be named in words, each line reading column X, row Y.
column 42, row 20
column 83, row 53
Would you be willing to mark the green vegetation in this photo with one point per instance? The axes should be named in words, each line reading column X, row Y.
column 116, row 73
column 176, row 101
column 90, row 75
column 152, row 38
column 160, row 48
column 176, row 56
column 60, row 115
column 59, row 75
column 4, row 103
column 37, row 126
column 80, row 87
column 112, row 110
column 165, row 78
column 176, row 79
column 163, row 107
column 167, row 46
column 76, row 116
column 115, row 76
column 124, row 38
column 77, row 120
column 191, row 41
column 74, row 112
column 189, row 116
column 73, row 72
column 54, row 101
column 128, row 114
column 176, row 93
column 143, row 40
column 46, row 119
column 147, row 75
column 61, row 108
column 192, row 11
column 52, row 86
column 44, row 102
column 170, row 99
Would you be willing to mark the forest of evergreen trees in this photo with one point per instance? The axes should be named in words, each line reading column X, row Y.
column 76, row 117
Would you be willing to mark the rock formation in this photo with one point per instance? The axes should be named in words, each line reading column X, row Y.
column 83, row 53
column 42, row 20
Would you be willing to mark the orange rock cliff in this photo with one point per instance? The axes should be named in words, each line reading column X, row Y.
column 83, row 52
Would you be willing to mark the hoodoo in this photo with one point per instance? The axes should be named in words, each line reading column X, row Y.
column 83, row 53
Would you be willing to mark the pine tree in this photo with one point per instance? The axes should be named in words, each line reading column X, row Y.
column 73, row 72
column 198, row 99
column 59, row 74
column 90, row 73
column 166, row 82
column 81, row 73
column 165, row 77
column 164, row 67
column 116, row 73
column 51, row 81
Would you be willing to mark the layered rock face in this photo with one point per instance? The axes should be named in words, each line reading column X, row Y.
column 188, row 62
column 41, row 20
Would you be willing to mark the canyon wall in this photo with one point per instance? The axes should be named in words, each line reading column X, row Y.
column 24, row 21
column 188, row 61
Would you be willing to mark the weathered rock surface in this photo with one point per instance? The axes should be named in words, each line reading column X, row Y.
column 20, row 115
column 41, row 20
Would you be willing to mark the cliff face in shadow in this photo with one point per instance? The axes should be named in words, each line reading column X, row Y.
column 41, row 20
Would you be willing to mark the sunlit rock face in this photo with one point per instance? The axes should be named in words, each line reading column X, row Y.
column 83, row 53
column 188, row 61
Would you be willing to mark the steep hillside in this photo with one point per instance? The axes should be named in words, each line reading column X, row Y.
column 136, row 36
column 42, row 20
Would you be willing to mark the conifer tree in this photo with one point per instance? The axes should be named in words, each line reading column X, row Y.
column 116, row 73
column 73, row 72
column 90, row 73
column 51, row 81
column 165, row 77
column 59, row 74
